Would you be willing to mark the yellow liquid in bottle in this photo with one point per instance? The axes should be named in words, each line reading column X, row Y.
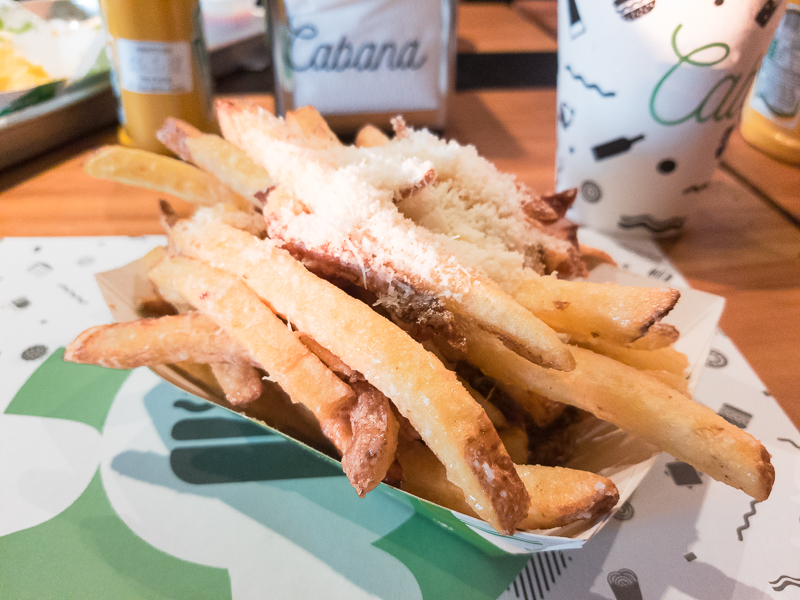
column 771, row 116
column 160, row 65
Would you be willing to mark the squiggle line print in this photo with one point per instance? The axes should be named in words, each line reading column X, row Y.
column 747, row 516
column 787, row 582
column 590, row 86
column 793, row 443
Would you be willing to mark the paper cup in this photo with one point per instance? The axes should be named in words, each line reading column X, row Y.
column 648, row 93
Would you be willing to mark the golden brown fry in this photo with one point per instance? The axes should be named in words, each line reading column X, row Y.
column 661, row 359
column 313, row 125
column 516, row 442
column 558, row 496
column 660, row 335
column 423, row 390
column 162, row 174
column 240, row 381
column 157, row 341
column 593, row 257
column 220, row 158
column 641, row 405
column 542, row 409
column 370, row 136
column 372, row 451
column 594, row 310
column 239, row 311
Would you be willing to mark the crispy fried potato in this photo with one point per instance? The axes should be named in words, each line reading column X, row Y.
column 238, row 310
column 216, row 156
column 312, row 124
column 372, row 450
column 162, row 174
column 595, row 310
column 417, row 383
column 660, row 335
column 376, row 234
column 559, row 496
column 662, row 359
column 241, row 382
column 638, row 404
column 370, row 136
column 163, row 340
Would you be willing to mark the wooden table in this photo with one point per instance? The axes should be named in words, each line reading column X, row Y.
column 743, row 244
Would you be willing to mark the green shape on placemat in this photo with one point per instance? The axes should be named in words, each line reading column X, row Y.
column 87, row 551
column 447, row 566
column 62, row 390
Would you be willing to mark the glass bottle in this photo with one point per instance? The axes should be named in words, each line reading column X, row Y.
column 771, row 117
column 160, row 69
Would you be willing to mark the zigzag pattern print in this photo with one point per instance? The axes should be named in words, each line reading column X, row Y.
column 746, row 518
column 590, row 86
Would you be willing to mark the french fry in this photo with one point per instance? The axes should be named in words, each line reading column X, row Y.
column 238, row 310
column 162, row 174
column 596, row 310
column 559, row 496
column 163, row 340
column 660, row 335
column 240, row 382
column 422, row 389
column 638, row 404
column 662, row 359
column 379, row 230
column 370, row 136
column 372, row 450
column 216, row 156
column 374, row 426
column 313, row 125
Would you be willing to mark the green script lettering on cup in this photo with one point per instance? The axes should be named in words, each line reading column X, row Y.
column 722, row 100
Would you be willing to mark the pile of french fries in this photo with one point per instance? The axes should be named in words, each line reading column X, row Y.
column 411, row 299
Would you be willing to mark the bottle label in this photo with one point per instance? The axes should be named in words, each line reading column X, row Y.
column 777, row 93
column 348, row 57
column 155, row 67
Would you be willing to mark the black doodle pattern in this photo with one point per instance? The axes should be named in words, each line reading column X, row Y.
column 746, row 518
column 591, row 192
column 72, row 293
column 695, row 188
column 723, row 142
column 539, row 575
column 625, row 512
column 86, row 261
column 589, row 86
column 21, row 302
column 615, row 147
column 576, row 26
column 34, row 352
column 40, row 269
column 735, row 416
column 716, row 359
column 767, row 10
column 625, row 585
column 690, row 556
column 651, row 223
column 784, row 581
column 666, row 166
column 630, row 10
column 683, row 474
column 565, row 115
column 792, row 442
column 660, row 274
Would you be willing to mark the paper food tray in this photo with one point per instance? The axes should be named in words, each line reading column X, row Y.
column 601, row 447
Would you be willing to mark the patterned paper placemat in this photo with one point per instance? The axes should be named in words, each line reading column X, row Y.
column 115, row 484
